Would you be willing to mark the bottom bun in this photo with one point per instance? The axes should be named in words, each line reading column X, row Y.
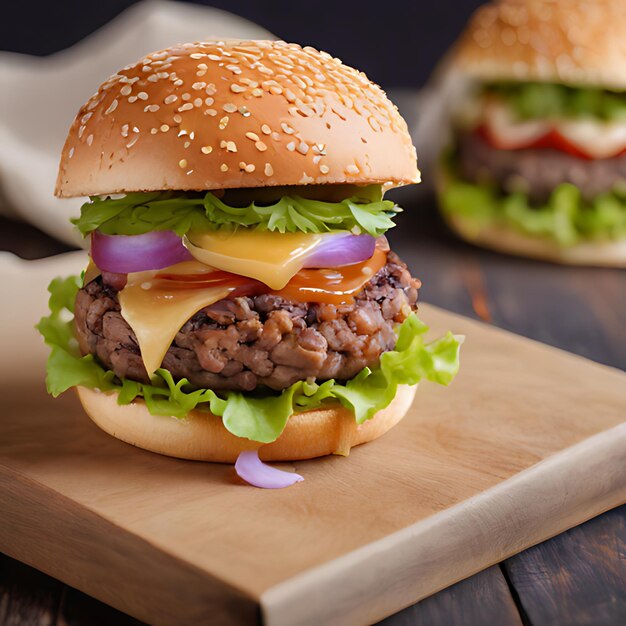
column 502, row 239
column 201, row 436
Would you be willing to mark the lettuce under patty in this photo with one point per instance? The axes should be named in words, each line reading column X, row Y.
column 566, row 218
column 181, row 212
column 548, row 100
column 260, row 416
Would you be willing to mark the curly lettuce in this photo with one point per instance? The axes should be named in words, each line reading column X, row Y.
column 566, row 218
column 181, row 212
column 259, row 416
column 535, row 100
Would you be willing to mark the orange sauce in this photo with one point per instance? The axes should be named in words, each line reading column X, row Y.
column 333, row 286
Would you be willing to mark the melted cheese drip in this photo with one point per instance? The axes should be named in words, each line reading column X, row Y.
column 156, row 309
column 270, row 257
column 91, row 272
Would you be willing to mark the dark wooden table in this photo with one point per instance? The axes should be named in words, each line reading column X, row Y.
column 578, row 577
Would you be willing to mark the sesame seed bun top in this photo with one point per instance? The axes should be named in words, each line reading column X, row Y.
column 573, row 42
column 218, row 115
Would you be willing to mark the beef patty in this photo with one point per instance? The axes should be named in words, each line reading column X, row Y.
column 265, row 340
column 537, row 171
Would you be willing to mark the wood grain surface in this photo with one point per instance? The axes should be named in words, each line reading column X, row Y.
column 577, row 309
column 70, row 509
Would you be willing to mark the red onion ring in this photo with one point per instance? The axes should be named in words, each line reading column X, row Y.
column 341, row 249
column 122, row 254
column 249, row 467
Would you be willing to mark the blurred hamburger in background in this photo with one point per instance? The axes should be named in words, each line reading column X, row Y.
column 537, row 166
column 241, row 294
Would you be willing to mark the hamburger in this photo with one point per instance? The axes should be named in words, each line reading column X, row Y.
column 538, row 162
column 240, row 296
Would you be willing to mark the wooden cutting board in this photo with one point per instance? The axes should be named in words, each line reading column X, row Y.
column 527, row 442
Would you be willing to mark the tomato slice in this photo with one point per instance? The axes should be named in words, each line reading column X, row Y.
column 552, row 140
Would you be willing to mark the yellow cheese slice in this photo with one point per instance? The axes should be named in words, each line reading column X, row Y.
column 271, row 257
column 156, row 310
column 91, row 272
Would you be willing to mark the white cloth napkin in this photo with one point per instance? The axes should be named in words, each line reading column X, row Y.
column 40, row 96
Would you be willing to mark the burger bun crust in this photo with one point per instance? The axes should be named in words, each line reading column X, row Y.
column 574, row 42
column 201, row 436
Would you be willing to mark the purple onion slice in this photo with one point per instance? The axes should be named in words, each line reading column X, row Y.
column 122, row 254
column 251, row 469
column 341, row 249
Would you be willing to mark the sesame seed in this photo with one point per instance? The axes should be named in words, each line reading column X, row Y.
column 89, row 140
column 177, row 118
column 187, row 144
column 164, row 128
column 125, row 90
column 211, row 112
column 237, row 88
column 185, row 107
column 210, row 89
column 352, row 169
column 198, row 86
column 257, row 93
column 244, row 111
column 197, row 55
column 324, row 169
column 269, row 170
column 185, row 97
column 303, row 148
column 252, row 136
column 171, row 98
column 266, row 130
column 154, row 131
column 229, row 107
column 286, row 128
column 291, row 146
column 223, row 122
column 112, row 107
column 71, row 154
column 178, row 82
column 142, row 95
column 182, row 163
column 209, row 101
column 153, row 78
column 231, row 146
column 197, row 102
column 260, row 146
column 203, row 66
column 132, row 99
column 277, row 91
column 133, row 141
column 81, row 130
column 224, row 167
column 206, row 149
column 152, row 108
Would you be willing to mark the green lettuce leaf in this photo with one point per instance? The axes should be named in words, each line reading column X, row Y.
column 548, row 100
column 566, row 217
column 259, row 416
column 138, row 213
